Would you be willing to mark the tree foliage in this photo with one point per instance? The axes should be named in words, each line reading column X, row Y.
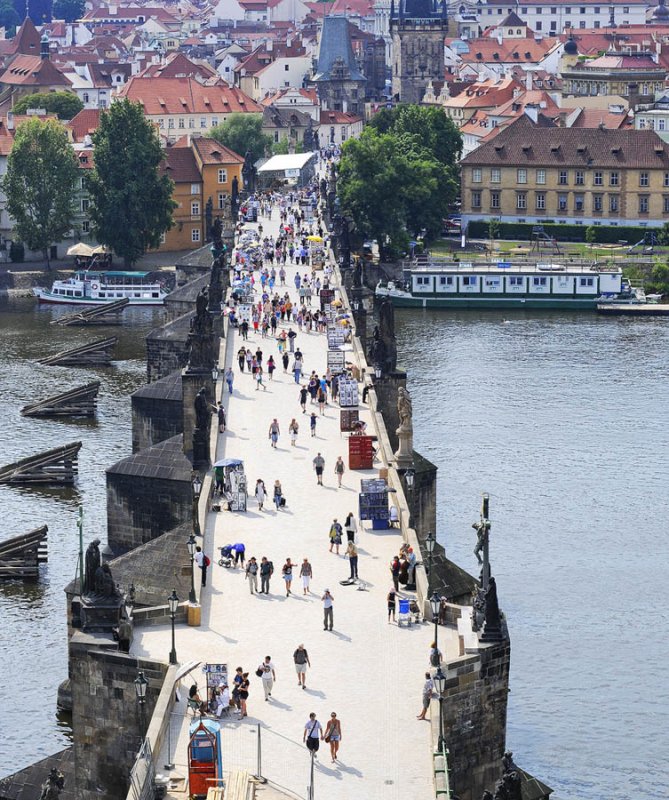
column 398, row 179
column 9, row 18
column 242, row 133
column 65, row 104
column 40, row 183
column 131, row 202
column 69, row 10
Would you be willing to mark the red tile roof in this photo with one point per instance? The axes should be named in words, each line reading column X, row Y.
column 362, row 8
column 181, row 166
column 514, row 51
column 187, row 96
column 213, row 152
column 339, row 118
column 178, row 65
column 33, row 71
column 84, row 123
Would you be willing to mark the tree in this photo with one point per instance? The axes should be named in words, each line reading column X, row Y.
column 65, row 104
column 69, row 10
column 42, row 171
column 131, row 202
column 493, row 231
column 591, row 235
column 9, row 19
column 242, row 133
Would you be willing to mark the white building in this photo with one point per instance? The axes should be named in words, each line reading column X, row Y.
column 556, row 16
column 281, row 74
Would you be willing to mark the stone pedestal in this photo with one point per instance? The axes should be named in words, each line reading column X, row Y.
column 404, row 453
column 100, row 614
column 192, row 380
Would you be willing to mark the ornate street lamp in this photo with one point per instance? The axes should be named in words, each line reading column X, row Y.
column 429, row 548
column 440, row 686
column 140, row 687
column 435, row 606
column 173, row 603
column 409, row 477
column 196, row 483
column 214, row 373
column 191, row 543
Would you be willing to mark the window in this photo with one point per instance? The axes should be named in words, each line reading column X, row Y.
column 195, row 209
column 562, row 202
column 222, row 176
column 191, row 122
column 446, row 280
column 538, row 26
column 221, row 201
column 476, row 199
column 614, row 178
column 643, row 204
column 203, row 122
column 582, row 9
column 82, row 182
column 521, row 200
column 286, row 67
column 599, row 179
column 540, row 201
column 665, row 204
column 541, row 281
column 597, row 10
column 516, row 281
column 422, row 281
column 170, row 123
column 85, row 97
column 580, row 177
column 469, row 280
column 195, row 188
column 597, row 202
column 541, row 176
column 214, row 122
column 86, row 226
column 182, row 122
column 598, row 24
column 477, row 175
column 495, row 175
column 586, row 281
column 195, row 235
column 626, row 9
column 613, row 202
column 581, row 24
column 643, row 179
column 562, row 177
column 84, row 205
column 494, row 199
column 521, row 175
column 553, row 10
column 579, row 202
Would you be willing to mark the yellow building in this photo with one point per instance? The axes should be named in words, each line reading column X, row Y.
column 187, row 232
column 588, row 176
column 218, row 166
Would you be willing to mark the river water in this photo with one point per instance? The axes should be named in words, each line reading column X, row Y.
column 563, row 419
column 33, row 647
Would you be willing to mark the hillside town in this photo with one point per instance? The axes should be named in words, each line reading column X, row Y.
column 315, row 73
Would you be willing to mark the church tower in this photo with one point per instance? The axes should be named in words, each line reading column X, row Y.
column 418, row 29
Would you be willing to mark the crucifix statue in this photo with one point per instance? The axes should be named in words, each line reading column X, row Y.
column 482, row 529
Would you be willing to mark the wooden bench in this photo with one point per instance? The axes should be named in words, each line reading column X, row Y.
column 238, row 786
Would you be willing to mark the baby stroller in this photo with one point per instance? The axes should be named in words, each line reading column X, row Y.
column 409, row 612
column 226, row 556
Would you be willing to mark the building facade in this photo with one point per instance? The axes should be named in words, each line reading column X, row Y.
column 550, row 18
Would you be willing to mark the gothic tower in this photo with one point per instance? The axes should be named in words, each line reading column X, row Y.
column 418, row 28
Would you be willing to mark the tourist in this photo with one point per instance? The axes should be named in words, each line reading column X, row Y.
column 321, row 396
column 435, row 656
column 271, row 366
column 252, row 575
column 268, row 675
column 293, row 430
column 243, row 694
column 237, row 682
column 287, row 573
column 312, row 423
column 339, row 470
column 260, row 493
column 301, row 659
column 278, row 494
column 220, row 411
column 428, row 688
column 334, row 535
column 306, row 573
column 352, row 553
column 249, row 360
column 266, row 572
column 395, row 572
column 328, row 611
column 350, row 526
column 333, row 735
column 222, row 700
column 291, row 339
column 244, row 330
column 274, row 432
column 303, row 399
column 196, row 701
column 203, row 561
column 319, row 463
column 229, row 378
column 258, row 377
column 393, row 517
column 239, row 549
column 297, row 368
column 241, row 358
column 313, row 734
column 391, row 602
column 285, row 360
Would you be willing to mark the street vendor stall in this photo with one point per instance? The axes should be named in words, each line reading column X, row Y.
column 234, row 482
column 316, row 252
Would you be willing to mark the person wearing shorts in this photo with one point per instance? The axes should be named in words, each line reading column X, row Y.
column 319, row 465
column 313, row 733
column 287, row 574
column 306, row 573
column 301, row 659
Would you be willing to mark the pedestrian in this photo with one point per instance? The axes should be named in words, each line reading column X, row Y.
column 291, row 340
column 313, row 733
column 271, row 366
column 229, row 378
column 321, row 396
column 260, row 493
column 350, row 526
column 236, row 683
column 239, row 550
column 339, row 470
column 428, row 688
column 312, row 423
column 252, row 575
column 244, row 330
column 266, row 572
column 297, row 369
column 241, row 358
column 268, row 675
column 352, row 553
column 203, row 561
column 303, row 399
column 301, row 659
column 306, row 573
column 274, row 432
column 293, row 430
column 395, row 572
column 435, row 656
column 278, row 494
column 319, row 466
column 328, row 613
column 285, row 359
column 287, row 573
column 333, row 735
column 335, row 535
column 220, row 411
column 244, row 694
column 390, row 601
column 258, row 377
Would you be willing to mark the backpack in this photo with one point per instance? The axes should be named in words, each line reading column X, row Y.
column 207, row 561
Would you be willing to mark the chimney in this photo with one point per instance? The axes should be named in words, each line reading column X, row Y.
column 500, row 38
column 44, row 47
column 528, row 81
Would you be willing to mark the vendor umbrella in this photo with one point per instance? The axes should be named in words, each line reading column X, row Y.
column 80, row 249
column 229, row 462
column 314, row 239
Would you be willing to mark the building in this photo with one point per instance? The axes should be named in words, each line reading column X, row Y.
column 338, row 126
column 286, row 125
column 338, row 78
column 32, row 75
column 219, row 167
column 187, row 232
column 585, row 176
column 554, row 17
column 417, row 28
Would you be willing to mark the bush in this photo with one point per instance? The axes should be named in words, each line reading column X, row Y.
column 17, row 252
column 605, row 234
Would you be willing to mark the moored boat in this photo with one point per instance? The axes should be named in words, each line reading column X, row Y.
column 87, row 288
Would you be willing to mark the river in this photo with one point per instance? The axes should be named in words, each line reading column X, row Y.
column 562, row 418
column 33, row 655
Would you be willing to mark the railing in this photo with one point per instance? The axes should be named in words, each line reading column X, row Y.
column 143, row 773
column 442, row 784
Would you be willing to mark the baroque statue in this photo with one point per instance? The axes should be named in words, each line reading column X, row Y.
column 53, row 785
column 92, row 561
column 202, row 412
column 405, row 409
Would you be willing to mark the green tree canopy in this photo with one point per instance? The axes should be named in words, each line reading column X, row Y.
column 131, row 202
column 69, row 10
column 9, row 17
column 40, row 183
column 242, row 133
column 65, row 104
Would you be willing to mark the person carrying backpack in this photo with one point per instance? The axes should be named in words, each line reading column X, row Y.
column 203, row 561
column 266, row 570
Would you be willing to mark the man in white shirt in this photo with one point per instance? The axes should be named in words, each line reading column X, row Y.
column 313, row 733
column 328, row 612
column 268, row 676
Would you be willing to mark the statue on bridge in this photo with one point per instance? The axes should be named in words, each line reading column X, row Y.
column 92, row 561
column 53, row 785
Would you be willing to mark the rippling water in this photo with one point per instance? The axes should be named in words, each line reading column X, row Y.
column 33, row 651
column 562, row 418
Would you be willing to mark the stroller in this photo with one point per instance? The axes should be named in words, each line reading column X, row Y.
column 409, row 612
column 226, row 556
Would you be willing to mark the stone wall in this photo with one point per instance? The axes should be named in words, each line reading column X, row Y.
column 156, row 412
column 167, row 348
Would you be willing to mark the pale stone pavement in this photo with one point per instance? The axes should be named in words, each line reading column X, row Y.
column 369, row 672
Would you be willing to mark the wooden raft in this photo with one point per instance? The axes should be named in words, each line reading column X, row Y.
column 21, row 555
column 109, row 314
column 57, row 466
column 94, row 354
column 79, row 402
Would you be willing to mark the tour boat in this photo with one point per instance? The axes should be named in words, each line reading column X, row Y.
column 630, row 295
column 87, row 288
column 442, row 283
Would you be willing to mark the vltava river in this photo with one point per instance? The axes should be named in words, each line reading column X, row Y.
column 564, row 420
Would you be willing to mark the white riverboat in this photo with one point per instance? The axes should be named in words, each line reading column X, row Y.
column 442, row 283
column 88, row 288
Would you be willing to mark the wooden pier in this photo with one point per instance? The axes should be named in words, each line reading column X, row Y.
column 108, row 314
column 79, row 402
column 56, row 466
column 21, row 556
column 93, row 354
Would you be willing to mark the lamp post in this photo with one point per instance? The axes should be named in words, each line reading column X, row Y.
column 191, row 550
column 435, row 606
column 440, row 685
column 129, row 601
column 140, row 691
column 173, row 602
column 214, row 373
column 378, row 371
column 196, row 483
column 429, row 547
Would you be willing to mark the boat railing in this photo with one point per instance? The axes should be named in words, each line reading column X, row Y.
column 544, row 265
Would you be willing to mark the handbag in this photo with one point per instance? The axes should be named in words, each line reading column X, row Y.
column 259, row 672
